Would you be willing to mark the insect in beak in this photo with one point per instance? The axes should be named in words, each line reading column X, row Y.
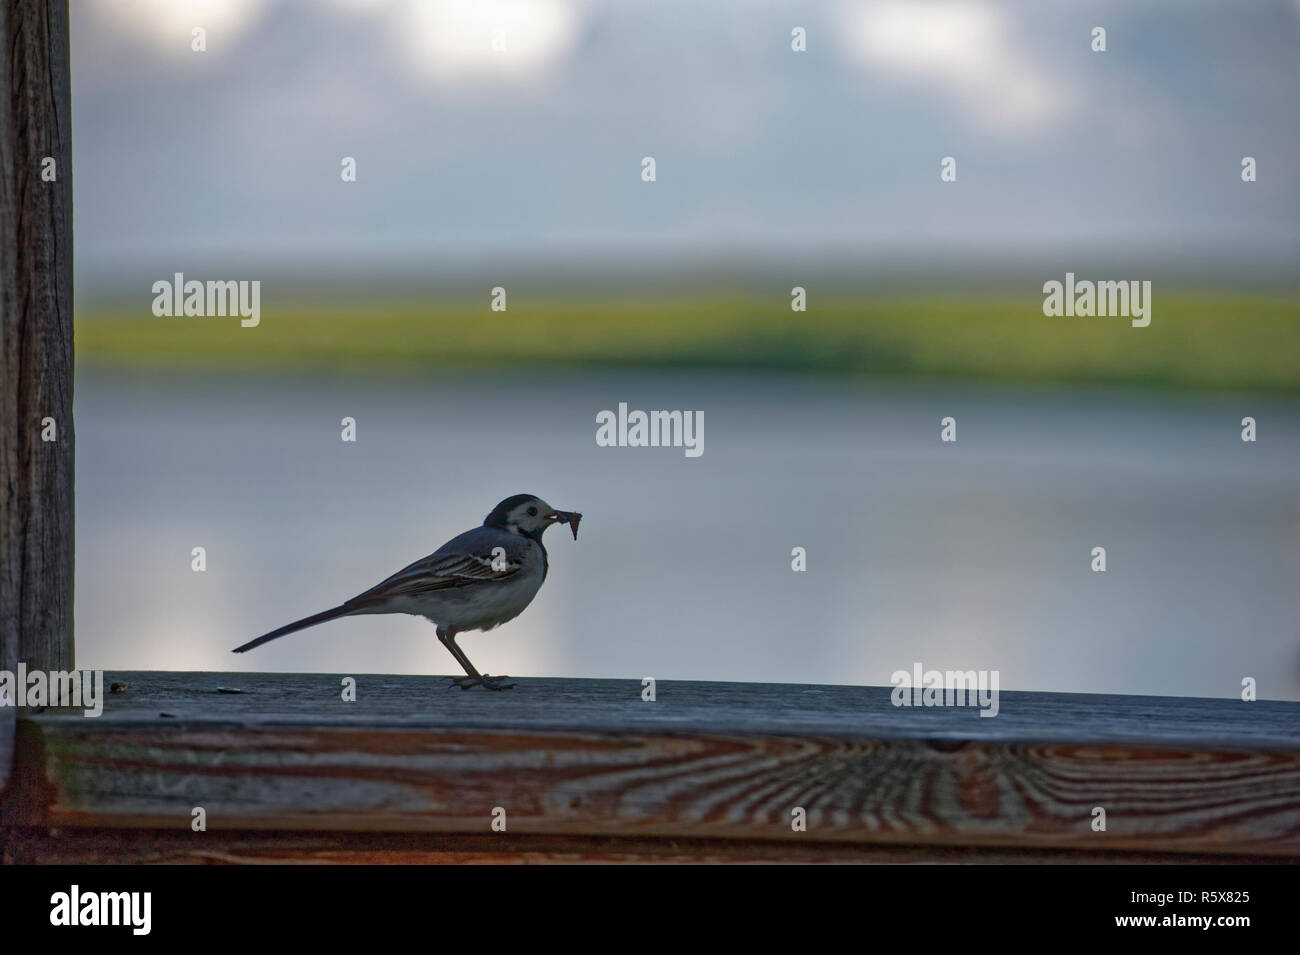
column 568, row 517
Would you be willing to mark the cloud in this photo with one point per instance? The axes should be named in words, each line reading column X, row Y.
column 960, row 48
column 165, row 25
column 443, row 41
column 452, row 40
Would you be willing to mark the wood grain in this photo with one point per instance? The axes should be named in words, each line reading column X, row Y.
column 705, row 761
column 385, row 700
column 39, row 845
column 36, row 486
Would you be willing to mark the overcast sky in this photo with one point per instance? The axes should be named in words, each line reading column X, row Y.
column 185, row 160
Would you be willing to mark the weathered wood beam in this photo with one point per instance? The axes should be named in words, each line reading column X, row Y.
column 36, row 433
column 705, row 761
column 44, row 846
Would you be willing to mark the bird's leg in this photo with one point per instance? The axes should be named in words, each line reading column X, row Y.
column 448, row 639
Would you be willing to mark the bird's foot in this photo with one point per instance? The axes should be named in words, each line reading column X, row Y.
column 485, row 681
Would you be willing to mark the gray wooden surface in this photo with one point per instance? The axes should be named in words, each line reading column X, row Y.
column 310, row 699
column 36, row 487
column 724, row 761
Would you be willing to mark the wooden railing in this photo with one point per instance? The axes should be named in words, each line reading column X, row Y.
column 414, row 771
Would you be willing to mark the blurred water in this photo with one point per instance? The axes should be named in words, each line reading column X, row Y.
column 974, row 555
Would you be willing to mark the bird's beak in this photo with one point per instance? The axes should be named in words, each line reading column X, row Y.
column 567, row 517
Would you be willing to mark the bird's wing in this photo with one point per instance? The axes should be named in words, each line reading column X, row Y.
column 444, row 571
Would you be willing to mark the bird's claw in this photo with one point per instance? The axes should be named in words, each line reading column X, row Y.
column 486, row 681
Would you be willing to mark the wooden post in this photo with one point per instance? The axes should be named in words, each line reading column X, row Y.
column 36, row 435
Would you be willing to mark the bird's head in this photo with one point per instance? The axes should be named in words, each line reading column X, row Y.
column 529, row 516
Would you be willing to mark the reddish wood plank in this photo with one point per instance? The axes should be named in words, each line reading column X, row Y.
column 729, row 762
column 27, row 846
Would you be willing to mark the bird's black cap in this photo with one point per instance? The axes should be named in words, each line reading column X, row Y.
column 502, row 511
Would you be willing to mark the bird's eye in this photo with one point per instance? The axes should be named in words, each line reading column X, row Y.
column 532, row 512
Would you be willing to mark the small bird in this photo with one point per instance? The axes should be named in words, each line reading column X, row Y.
column 475, row 581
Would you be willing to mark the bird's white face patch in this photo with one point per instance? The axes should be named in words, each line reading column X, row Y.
column 529, row 516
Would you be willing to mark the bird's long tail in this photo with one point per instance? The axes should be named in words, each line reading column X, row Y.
column 340, row 611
